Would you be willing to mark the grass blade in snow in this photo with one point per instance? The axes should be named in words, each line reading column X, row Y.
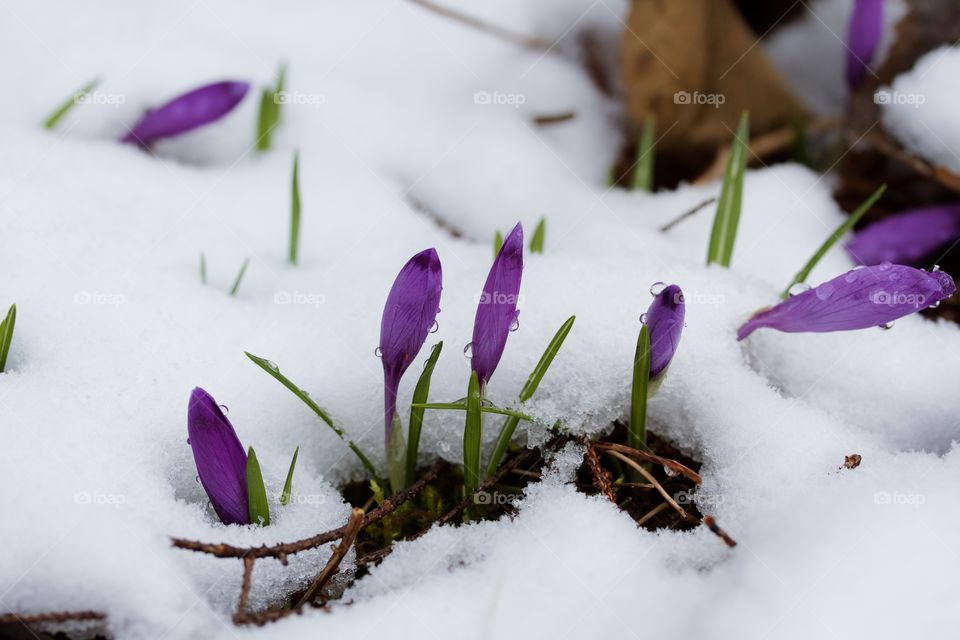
column 6, row 335
column 420, row 395
column 848, row 224
column 637, row 436
column 506, row 432
column 256, row 492
column 484, row 408
column 724, row 232
column 69, row 104
column 236, row 283
column 472, row 438
column 274, row 371
column 643, row 174
column 536, row 242
column 203, row 269
column 269, row 116
column 497, row 243
column 288, row 485
column 295, row 208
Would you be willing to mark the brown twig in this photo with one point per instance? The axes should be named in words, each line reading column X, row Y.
column 601, row 478
column 711, row 523
column 646, row 474
column 282, row 550
column 649, row 514
column 881, row 143
column 53, row 616
column 530, row 42
column 687, row 214
column 542, row 121
column 240, row 616
column 649, row 457
column 333, row 564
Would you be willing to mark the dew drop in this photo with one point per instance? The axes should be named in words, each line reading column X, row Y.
column 515, row 324
column 378, row 352
column 936, row 268
column 894, row 276
column 859, row 266
column 798, row 288
column 885, row 266
column 657, row 288
column 934, row 305
column 272, row 366
column 851, row 277
column 670, row 472
column 468, row 350
column 886, row 326
column 824, row 291
column 484, row 402
column 643, row 318
column 434, row 327
column 225, row 409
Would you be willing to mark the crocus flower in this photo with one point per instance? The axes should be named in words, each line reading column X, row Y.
column 907, row 238
column 408, row 316
column 865, row 297
column 193, row 109
column 497, row 312
column 220, row 458
column 863, row 38
column 664, row 318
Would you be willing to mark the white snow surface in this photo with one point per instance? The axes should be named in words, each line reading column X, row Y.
column 920, row 107
column 100, row 251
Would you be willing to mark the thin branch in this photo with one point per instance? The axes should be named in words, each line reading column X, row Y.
column 282, row 550
column 711, row 523
column 601, row 478
column 53, row 616
column 241, row 615
column 649, row 514
column 333, row 564
column 530, row 42
column 687, row 214
column 649, row 457
column 646, row 474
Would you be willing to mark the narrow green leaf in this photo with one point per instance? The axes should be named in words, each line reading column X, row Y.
column 472, row 438
column 536, row 242
column 203, row 268
column 646, row 156
column 274, row 371
column 848, row 224
column 6, row 335
column 510, row 425
column 637, row 436
column 421, row 394
column 295, row 208
column 460, row 406
column 288, row 485
column 236, row 283
column 725, row 223
column 256, row 492
column 280, row 88
column 69, row 104
column 497, row 243
column 266, row 119
column 396, row 455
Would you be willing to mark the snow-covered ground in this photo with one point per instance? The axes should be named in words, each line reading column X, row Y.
column 100, row 246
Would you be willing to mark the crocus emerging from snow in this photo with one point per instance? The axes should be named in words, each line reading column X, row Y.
column 863, row 38
column 408, row 316
column 907, row 238
column 664, row 318
column 193, row 109
column 865, row 297
column 497, row 312
column 220, row 458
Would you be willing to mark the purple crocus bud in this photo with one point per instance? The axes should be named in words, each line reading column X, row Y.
column 497, row 312
column 186, row 112
column 664, row 318
column 220, row 458
column 863, row 38
column 408, row 316
column 865, row 297
column 907, row 238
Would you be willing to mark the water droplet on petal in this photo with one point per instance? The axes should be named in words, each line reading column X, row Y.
column 859, row 266
column 434, row 327
column 225, row 409
column 824, row 291
column 657, row 288
column 515, row 324
column 886, row 326
column 468, row 350
column 885, row 266
column 798, row 288
column 643, row 318
column 936, row 268
column 851, row 277
column 272, row 366
column 378, row 352
column 894, row 276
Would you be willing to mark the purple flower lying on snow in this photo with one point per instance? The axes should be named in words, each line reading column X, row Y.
column 865, row 297
column 193, row 109
column 497, row 312
column 907, row 238
column 408, row 316
column 220, row 458
column 664, row 318
column 863, row 38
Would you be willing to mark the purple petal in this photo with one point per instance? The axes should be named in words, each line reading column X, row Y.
column 863, row 38
column 497, row 311
column 664, row 318
column 408, row 316
column 907, row 238
column 864, row 297
column 193, row 109
column 220, row 458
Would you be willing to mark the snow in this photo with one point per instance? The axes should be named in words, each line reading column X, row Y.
column 101, row 246
column 918, row 108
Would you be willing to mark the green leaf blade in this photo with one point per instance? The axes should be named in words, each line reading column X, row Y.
column 472, row 438
column 646, row 157
column 236, row 283
column 539, row 235
column 295, row 209
column 727, row 218
column 6, row 335
column 637, row 435
column 69, row 104
column 288, row 484
column 497, row 243
column 421, row 394
column 258, row 507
